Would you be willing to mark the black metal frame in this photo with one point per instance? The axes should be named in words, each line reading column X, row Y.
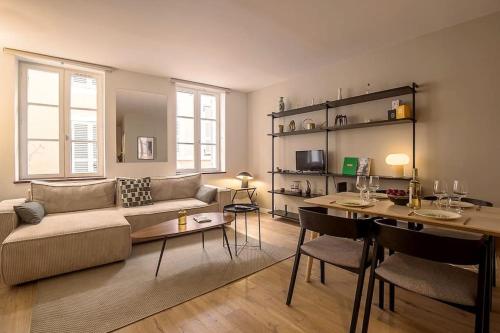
column 400, row 91
column 251, row 208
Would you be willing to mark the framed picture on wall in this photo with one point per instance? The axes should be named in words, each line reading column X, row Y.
column 145, row 148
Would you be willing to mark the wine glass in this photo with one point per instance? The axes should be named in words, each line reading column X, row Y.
column 459, row 191
column 373, row 185
column 361, row 185
column 440, row 191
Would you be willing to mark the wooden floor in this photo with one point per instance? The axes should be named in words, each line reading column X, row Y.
column 257, row 303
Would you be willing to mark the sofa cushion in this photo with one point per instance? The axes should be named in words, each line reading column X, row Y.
column 135, row 192
column 177, row 187
column 206, row 193
column 63, row 243
column 73, row 196
column 163, row 206
column 30, row 212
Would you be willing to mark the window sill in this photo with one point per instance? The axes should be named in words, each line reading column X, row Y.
column 27, row 181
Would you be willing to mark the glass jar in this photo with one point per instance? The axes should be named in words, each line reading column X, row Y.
column 182, row 215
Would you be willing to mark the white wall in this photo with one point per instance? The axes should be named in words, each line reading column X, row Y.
column 458, row 71
column 236, row 129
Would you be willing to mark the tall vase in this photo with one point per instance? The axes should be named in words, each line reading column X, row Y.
column 282, row 104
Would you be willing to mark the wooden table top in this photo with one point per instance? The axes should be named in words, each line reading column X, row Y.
column 172, row 229
column 485, row 221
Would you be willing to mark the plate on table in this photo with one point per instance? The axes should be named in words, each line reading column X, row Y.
column 354, row 203
column 461, row 204
column 379, row 196
column 438, row 214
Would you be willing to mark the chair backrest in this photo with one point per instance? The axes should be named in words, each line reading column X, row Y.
column 478, row 202
column 429, row 246
column 316, row 219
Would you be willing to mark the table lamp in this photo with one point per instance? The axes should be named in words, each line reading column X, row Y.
column 244, row 176
column 398, row 162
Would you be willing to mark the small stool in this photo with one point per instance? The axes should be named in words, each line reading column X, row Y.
column 238, row 209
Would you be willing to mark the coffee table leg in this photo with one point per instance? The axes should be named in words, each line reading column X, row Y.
column 203, row 239
column 161, row 255
column 224, row 237
column 246, row 228
column 260, row 244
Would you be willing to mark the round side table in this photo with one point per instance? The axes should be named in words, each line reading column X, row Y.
column 243, row 209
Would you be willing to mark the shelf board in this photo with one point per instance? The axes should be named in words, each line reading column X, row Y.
column 400, row 91
column 336, row 174
column 299, row 132
column 294, row 194
column 293, row 112
column 295, row 173
column 371, row 124
column 287, row 215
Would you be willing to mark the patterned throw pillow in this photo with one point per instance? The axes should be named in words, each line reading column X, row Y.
column 135, row 192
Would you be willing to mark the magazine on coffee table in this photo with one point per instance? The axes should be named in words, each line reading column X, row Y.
column 202, row 219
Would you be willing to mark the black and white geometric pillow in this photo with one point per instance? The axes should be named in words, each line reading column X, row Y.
column 135, row 192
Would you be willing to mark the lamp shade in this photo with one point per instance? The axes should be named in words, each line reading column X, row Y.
column 397, row 159
column 244, row 174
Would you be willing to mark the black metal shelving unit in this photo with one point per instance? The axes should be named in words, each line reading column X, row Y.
column 395, row 92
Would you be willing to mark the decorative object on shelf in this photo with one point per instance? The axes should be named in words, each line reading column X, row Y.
column 391, row 115
column 282, row 189
column 397, row 161
column 312, row 101
column 244, row 176
column 395, row 103
column 281, row 128
column 340, row 120
column 308, row 188
column 403, row 112
column 145, row 148
column 282, row 104
column 308, row 124
column 364, row 164
column 291, row 126
column 350, row 166
column 368, row 88
column 296, row 187
column 278, row 169
column 339, row 94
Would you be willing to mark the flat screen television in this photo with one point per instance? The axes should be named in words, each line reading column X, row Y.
column 310, row 160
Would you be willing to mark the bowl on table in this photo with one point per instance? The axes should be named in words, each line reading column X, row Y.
column 399, row 197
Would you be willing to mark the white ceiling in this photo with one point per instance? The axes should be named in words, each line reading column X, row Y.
column 242, row 45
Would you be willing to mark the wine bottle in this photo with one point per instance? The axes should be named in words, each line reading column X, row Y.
column 415, row 191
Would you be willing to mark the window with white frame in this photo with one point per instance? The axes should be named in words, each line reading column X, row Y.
column 60, row 122
column 198, row 131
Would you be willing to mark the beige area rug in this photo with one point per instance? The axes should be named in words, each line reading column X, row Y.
column 106, row 298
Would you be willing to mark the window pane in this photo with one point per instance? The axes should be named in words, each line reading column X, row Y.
column 83, row 92
column 84, row 157
column 43, row 122
column 208, row 156
column 43, row 87
column 208, row 131
column 185, row 156
column 185, row 130
column 43, row 157
column 185, row 104
column 84, row 125
column 208, row 107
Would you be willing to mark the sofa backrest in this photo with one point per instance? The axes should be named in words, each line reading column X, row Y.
column 176, row 187
column 63, row 197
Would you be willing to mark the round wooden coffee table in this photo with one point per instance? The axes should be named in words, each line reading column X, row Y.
column 171, row 229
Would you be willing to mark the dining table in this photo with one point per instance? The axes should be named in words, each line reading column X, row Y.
column 477, row 219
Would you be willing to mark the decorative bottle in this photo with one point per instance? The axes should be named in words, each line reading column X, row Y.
column 182, row 215
column 282, row 104
column 415, row 191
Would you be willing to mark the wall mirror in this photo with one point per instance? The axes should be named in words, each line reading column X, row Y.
column 141, row 127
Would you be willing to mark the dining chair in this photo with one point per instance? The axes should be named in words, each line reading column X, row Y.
column 426, row 264
column 343, row 242
column 463, row 234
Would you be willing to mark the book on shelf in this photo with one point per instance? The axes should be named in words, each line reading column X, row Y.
column 364, row 164
column 350, row 166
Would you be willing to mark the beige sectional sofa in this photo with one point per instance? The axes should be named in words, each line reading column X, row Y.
column 86, row 225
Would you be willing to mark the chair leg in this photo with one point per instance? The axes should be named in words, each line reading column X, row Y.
column 391, row 296
column 359, row 287
column 381, row 289
column 293, row 278
column 260, row 243
column 493, row 264
column 369, row 293
column 322, row 271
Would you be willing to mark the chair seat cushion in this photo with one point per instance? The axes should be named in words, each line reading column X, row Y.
column 440, row 281
column 335, row 250
column 452, row 233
